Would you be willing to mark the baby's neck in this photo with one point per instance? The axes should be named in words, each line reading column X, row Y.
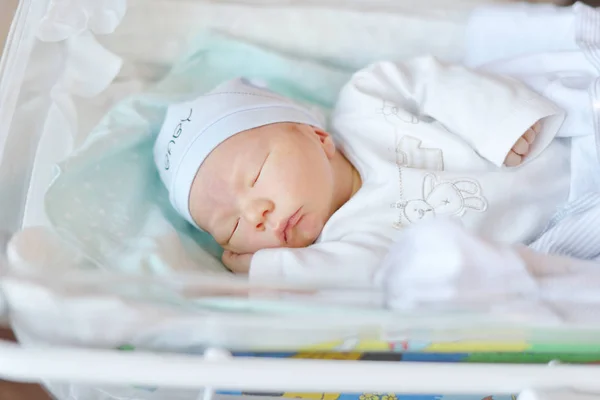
column 347, row 180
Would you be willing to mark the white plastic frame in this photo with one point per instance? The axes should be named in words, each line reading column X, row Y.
column 217, row 370
column 17, row 170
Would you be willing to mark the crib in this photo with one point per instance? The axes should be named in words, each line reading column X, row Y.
column 90, row 334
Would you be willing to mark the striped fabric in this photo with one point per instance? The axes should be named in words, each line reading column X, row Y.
column 587, row 32
column 575, row 230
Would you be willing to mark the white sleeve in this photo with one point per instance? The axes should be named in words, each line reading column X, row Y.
column 351, row 261
column 490, row 112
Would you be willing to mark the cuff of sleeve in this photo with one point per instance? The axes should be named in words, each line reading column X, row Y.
column 523, row 117
column 266, row 266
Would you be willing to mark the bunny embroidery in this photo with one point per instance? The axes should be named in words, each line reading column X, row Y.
column 444, row 198
column 393, row 113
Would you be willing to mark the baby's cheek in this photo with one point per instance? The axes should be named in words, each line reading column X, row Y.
column 309, row 228
column 251, row 242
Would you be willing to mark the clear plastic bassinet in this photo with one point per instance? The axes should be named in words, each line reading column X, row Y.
column 93, row 333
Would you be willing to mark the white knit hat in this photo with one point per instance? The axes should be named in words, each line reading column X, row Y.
column 193, row 129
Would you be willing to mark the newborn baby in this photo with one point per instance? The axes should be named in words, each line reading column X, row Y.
column 289, row 200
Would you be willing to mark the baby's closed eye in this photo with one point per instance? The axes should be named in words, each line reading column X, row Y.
column 260, row 170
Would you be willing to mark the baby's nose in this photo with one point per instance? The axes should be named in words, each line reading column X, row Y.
column 257, row 212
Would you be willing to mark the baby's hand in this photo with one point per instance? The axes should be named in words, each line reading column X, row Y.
column 237, row 263
column 521, row 149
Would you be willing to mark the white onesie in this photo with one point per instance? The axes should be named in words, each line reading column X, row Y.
column 430, row 139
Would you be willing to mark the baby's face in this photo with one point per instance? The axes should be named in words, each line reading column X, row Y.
column 266, row 187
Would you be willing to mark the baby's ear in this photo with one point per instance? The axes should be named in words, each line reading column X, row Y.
column 326, row 141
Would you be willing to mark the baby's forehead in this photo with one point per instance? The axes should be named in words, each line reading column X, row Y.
column 238, row 152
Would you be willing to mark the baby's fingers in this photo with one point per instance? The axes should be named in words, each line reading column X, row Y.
column 513, row 159
column 530, row 135
column 237, row 263
column 521, row 147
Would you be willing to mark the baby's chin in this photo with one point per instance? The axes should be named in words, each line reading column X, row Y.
column 300, row 242
column 291, row 245
column 254, row 249
column 294, row 244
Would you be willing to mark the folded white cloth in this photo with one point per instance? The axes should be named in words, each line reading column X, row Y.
column 440, row 266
